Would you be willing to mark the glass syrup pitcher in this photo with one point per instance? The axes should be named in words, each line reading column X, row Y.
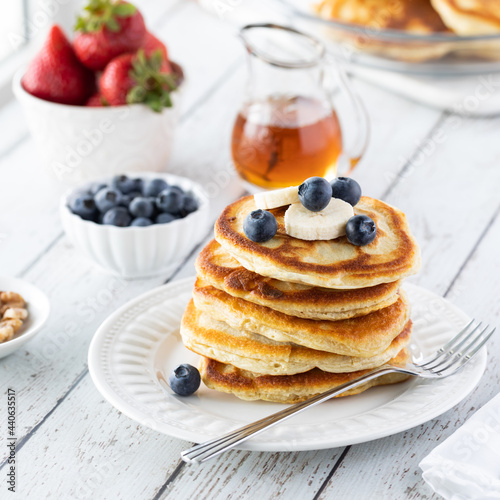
column 288, row 129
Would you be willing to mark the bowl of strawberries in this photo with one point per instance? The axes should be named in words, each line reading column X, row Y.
column 105, row 102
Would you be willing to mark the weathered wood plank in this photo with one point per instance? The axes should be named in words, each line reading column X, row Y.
column 97, row 452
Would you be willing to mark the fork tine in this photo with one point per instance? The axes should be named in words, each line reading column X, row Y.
column 450, row 348
column 456, row 351
column 443, row 349
column 453, row 355
column 462, row 361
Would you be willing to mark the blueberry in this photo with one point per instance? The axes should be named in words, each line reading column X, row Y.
column 107, row 198
column 137, row 185
column 78, row 193
column 170, row 200
column 83, row 205
column 315, row 193
column 123, row 184
column 360, row 230
column 125, row 200
column 141, row 222
column 178, row 189
column 117, row 216
column 141, row 207
column 153, row 187
column 165, row 218
column 260, row 226
column 346, row 189
column 189, row 204
column 184, row 380
column 95, row 187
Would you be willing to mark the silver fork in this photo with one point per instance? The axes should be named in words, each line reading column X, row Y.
column 450, row 358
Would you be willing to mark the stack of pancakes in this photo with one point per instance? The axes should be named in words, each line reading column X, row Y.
column 287, row 319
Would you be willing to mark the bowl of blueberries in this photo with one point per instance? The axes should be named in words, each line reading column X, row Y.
column 136, row 227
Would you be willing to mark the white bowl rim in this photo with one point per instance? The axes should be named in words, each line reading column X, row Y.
column 45, row 309
column 196, row 188
column 19, row 90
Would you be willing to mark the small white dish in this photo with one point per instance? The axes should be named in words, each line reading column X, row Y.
column 138, row 346
column 80, row 143
column 38, row 312
column 139, row 252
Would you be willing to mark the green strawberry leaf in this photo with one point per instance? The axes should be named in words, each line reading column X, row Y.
column 103, row 13
column 124, row 10
column 112, row 24
column 152, row 87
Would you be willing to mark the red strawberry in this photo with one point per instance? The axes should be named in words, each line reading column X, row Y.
column 108, row 29
column 96, row 101
column 151, row 44
column 136, row 78
column 55, row 74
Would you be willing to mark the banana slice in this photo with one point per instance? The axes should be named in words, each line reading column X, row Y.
column 277, row 198
column 325, row 225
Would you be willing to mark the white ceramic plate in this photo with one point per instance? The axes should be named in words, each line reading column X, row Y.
column 38, row 312
column 140, row 343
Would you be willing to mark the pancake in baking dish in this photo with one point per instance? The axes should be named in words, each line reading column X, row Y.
column 250, row 351
column 215, row 266
column 414, row 16
column 393, row 255
column 364, row 336
column 288, row 388
column 470, row 17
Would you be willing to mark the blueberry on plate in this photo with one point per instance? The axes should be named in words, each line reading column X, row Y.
column 360, row 230
column 141, row 207
column 141, row 222
column 260, row 226
column 189, row 204
column 83, row 205
column 170, row 200
column 117, row 216
column 165, row 218
column 184, row 380
column 153, row 187
column 123, row 184
column 315, row 193
column 107, row 198
column 346, row 189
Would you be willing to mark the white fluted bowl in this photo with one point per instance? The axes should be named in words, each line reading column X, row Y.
column 139, row 252
column 79, row 143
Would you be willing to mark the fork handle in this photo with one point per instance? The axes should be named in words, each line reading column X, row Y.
column 210, row 449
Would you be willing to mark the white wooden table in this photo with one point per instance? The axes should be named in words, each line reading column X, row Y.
column 442, row 170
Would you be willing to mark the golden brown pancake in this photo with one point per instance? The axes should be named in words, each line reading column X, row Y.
column 249, row 351
column 470, row 17
column 414, row 16
column 288, row 388
column 364, row 336
column 216, row 267
column 372, row 17
column 393, row 255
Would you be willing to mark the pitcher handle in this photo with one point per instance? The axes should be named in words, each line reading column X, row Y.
column 352, row 154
